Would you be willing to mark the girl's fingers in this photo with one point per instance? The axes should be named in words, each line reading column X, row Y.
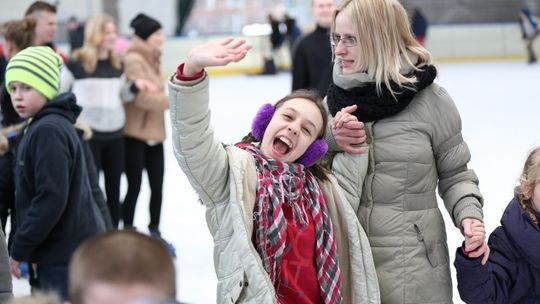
column 226, row 41
column 472, row 243
column 236, row 43
column 335, row 120
column 486, row 255
column 342, row 118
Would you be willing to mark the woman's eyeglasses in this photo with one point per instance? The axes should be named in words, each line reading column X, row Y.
column 347, row 41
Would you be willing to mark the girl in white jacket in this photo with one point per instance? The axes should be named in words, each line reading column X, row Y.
column 282, row 229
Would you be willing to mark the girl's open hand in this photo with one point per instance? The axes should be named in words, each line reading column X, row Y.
column 215, row 53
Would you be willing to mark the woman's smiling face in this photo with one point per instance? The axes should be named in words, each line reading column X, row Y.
column 295, row 125
column 346, row 48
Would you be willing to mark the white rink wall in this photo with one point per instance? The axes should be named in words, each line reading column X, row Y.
column 445, row 42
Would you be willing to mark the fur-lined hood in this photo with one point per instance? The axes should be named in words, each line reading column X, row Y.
column 7, row 133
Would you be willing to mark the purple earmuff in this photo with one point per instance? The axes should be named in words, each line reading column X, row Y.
column 260, row 122
column 314, row 153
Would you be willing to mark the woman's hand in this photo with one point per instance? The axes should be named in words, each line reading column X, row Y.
column 215, row 53
column 14, row 268
column 475, row 239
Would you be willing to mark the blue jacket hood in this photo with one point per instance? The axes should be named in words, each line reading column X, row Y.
column 64, row 104
column 524, row 234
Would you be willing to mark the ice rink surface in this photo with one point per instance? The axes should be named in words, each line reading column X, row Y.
column 499, row 104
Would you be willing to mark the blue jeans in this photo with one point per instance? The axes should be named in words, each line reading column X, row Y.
column 54, row 278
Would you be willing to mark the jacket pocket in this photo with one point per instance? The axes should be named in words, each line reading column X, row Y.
column 231, row 288
column 433, row 242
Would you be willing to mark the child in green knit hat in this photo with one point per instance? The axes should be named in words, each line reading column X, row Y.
column 36, row 67
column 55, row 207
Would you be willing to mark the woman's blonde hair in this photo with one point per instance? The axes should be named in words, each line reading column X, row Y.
column 94, row 33
column 384, row 34
column 529, row 178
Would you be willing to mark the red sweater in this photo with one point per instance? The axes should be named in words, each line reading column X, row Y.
column 298, row 283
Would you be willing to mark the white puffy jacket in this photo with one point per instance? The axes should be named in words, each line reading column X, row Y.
column 225, row 179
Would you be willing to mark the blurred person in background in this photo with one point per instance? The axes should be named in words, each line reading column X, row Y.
column 94, row 75
column 292, row 31
column 419, row 25
column 18, row 35
column 276, row 42
column 6, row 286
column 530, row 28
column 45, row 29
column 3, row 63
column 144, row 131
column 312, row 56
column 47, row 24
column 75, row 33
column 100, row 273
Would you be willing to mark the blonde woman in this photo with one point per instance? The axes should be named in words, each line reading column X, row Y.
column 415, row 145
column 95, row 77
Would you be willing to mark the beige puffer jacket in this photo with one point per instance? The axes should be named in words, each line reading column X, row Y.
column 410, row 155
column 225, row 179
column 145, row 113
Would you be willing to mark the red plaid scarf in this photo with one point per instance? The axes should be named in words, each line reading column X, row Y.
column 281, row 183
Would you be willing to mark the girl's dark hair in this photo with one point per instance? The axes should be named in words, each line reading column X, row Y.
column 319, row 170
column 9, row 115
column 528, row 180
column 20, row 32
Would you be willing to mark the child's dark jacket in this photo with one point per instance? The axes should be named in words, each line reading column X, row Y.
column 55, row 207
column 512, row 274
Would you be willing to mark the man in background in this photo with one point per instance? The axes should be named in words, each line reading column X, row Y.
column 47, row 24
column 312, row 56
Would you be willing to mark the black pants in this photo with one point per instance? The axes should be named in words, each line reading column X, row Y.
column 109, row 156
column 7, row 189
column 142, row 156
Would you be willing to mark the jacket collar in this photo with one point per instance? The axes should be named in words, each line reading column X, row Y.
column 64, row 104
column 150, row 53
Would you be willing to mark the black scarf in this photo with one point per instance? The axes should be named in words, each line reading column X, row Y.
column 373, row 106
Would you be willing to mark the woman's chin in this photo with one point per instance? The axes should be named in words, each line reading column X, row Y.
column 347, row 70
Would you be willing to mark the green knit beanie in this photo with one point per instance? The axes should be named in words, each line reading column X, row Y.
column 38, row 67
